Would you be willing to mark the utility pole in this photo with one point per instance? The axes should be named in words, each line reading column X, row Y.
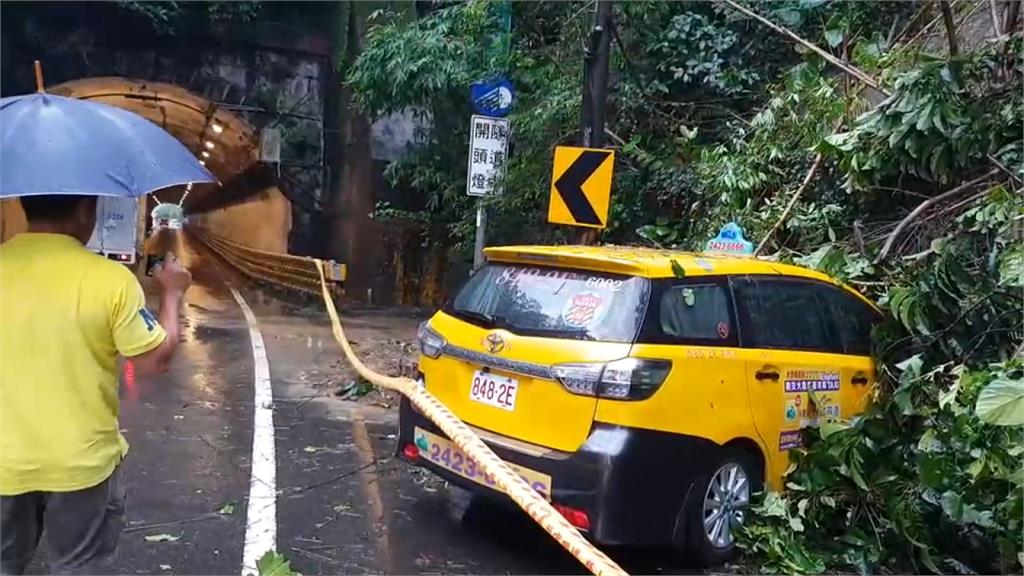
column 595, row 88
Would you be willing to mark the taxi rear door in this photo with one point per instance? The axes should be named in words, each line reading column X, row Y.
column 797, row 368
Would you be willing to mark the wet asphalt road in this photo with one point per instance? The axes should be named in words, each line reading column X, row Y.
column 345, row 505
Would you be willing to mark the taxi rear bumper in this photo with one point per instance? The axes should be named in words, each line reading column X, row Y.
column 632, row 483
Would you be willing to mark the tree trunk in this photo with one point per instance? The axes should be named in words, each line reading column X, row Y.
column 947, row 18
column 354, row 234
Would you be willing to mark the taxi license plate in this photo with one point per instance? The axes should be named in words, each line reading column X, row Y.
column 494, row 390
column 445, row 454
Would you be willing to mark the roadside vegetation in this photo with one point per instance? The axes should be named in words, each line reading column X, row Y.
column 897, row 167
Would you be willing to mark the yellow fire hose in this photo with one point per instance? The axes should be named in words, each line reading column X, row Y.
column 507, row 480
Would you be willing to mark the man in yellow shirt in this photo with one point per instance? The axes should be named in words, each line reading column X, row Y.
column 66, row 315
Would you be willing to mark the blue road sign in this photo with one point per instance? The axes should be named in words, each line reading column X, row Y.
column 492, row 98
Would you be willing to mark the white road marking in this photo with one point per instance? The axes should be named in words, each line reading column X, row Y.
column 261, row 516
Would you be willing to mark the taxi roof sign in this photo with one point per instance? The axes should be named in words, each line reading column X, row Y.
column 730, row 240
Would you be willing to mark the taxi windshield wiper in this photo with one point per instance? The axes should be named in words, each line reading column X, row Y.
column 554, row 332
column 488, row 320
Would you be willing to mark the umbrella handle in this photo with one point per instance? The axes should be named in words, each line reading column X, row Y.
column 39, row 77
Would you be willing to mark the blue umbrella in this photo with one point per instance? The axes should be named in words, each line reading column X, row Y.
column 55, row 145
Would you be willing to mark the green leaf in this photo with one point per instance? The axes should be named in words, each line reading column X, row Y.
column 227, row 509
column 274, row 564
column 911, row 368
column 952, row 505
column 937, row 120
column 947, row 397
column 924, row 118
column 801, row 507
column 842, row 141
column 773, row 506
column 834, row 37
column 930, row 442
column 1001, row 402
column 830, row 427
column 976, row 467
column 677, row 269
column 796, row 524
column 1011, row 267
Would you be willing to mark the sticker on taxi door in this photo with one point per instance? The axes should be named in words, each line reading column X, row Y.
column 807, row 396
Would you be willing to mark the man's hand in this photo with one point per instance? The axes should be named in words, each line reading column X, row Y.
column 173, row 280
column 171, row 277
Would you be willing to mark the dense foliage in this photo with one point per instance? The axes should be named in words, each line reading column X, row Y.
column 170, row 17
column 915, row 199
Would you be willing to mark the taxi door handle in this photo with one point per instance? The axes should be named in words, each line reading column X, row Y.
column 859, row 379
column 767, row 375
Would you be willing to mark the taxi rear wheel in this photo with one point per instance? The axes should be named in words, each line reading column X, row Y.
column 718, row 506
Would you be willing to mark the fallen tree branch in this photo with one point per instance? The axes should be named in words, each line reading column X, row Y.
column 955, row 207
column 851, row 70
column 615, row 137
column 296, row 489
column 792, row 202
column 1002, row 167
column 997, row 23
column 916, row 212
column 202, row 518
column 1010, row 18
column 921, row 12
column 947, row 19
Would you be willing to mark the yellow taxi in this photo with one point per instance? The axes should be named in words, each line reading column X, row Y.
column 647, row 393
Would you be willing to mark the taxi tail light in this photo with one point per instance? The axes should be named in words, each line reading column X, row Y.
column 577, row 518
column 625, row 379
column 633, row 378
column 410, row 451
column 431, row 343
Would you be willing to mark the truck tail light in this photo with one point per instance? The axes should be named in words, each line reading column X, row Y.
column 625, row 379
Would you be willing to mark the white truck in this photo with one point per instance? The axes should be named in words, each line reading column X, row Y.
column 116, row 235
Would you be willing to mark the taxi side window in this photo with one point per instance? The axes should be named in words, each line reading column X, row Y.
column 855, row 320
column 700, row 311
column 690, row 312
column 786, row 315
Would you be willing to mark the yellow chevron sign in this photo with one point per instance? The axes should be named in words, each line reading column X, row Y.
column 581, row 186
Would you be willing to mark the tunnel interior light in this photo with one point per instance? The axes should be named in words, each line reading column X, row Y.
column 217, row 128
column 206, row 154
column 208, row 144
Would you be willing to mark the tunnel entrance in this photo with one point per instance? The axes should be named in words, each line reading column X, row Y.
column 246, row 206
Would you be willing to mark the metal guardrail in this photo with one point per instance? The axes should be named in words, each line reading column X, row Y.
column 287, row 271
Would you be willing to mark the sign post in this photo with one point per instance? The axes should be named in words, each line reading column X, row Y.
column 480, row 242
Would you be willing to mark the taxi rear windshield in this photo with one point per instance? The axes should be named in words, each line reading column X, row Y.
column 554, row 302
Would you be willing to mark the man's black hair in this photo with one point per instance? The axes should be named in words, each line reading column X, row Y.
column 51, row 207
